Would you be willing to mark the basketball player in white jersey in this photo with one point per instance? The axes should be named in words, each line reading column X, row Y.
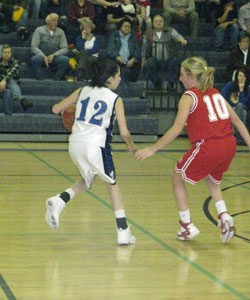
column 96, row 107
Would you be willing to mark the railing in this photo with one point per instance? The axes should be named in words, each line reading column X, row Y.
column 165, row 96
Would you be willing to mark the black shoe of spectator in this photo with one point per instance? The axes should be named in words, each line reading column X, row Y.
column 25, row 104
column 218, row 49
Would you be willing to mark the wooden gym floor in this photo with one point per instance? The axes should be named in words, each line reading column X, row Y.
column 81, row 261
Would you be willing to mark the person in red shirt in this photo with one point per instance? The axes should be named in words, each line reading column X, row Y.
column 208, row 118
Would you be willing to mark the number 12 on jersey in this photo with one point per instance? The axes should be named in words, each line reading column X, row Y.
column 99, row 108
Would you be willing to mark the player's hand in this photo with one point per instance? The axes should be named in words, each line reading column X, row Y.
column 144, row 153
column 131, row 147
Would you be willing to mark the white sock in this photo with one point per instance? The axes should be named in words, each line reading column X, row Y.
column 120, row 213
column 71, row 193
column 185, row 216
column 221, row 206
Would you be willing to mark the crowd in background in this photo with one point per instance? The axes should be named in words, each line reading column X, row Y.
column 65, row 37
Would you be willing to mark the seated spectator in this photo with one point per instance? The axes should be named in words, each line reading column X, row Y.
column 143, row 15
column 124, row 48
column 156, row 53
column 237, row 93
column 50, row 47
column 87, row 47
column 77, row 10
column 19, row 9
column 226, row 17
column 244, row 19
column 239, row 58
column 9, row 80
column 181, row 11
column 115, row 15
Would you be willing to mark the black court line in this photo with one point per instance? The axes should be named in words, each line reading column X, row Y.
column 209, row 216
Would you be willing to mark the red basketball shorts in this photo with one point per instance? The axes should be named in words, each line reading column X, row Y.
column 207, row 158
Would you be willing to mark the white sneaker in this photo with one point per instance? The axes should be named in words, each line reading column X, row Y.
column 226, row 223
column 125, row 237
column 187, row 231
column 54, row 205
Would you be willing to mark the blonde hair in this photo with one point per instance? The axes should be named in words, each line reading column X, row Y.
column 87, row 21
column 197, row 66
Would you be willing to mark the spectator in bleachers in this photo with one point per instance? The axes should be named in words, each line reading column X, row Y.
column 239, row 58
column 237, row 93
column 115, row 15
column 157, row 53
column 181, row 11
column 50, row 47
column 77, row 10
column 86, row 48
column 20, row 11
column 227, row 19
column 10, row 79
column 143, row 15
column 124, row 48
column 244, row 19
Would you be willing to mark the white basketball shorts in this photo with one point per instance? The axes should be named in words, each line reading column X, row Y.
column 92, row 160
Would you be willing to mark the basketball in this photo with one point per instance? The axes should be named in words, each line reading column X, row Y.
column 68, row 117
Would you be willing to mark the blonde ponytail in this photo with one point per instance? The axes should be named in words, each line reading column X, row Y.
column 198, row 67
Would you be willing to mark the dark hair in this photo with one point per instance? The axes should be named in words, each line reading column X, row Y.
column 123, row 21
column 100, row 70
column 235, row 88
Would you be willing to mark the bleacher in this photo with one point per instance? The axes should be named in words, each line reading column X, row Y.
column 141, row 120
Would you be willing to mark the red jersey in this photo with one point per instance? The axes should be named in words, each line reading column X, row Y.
column 208, row 117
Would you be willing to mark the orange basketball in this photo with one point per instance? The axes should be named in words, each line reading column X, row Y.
column 68, row 117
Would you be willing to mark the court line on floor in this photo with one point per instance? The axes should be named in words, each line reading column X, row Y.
column 7, row 291
column 149, row 234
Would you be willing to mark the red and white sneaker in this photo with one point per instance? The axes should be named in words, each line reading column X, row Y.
column 187, row 231
column 226, row 223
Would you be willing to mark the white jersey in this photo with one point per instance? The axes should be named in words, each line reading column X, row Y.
column 94, row 116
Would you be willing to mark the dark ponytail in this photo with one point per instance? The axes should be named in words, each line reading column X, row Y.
column 100, row 70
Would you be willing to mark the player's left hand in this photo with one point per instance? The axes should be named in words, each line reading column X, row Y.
column 144, row 153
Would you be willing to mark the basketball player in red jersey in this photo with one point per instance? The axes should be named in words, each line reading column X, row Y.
column 208, row 119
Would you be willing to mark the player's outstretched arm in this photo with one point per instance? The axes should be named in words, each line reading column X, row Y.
column 239, row 125
column 66, row 102
column 121, row 119
column 183, row 110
